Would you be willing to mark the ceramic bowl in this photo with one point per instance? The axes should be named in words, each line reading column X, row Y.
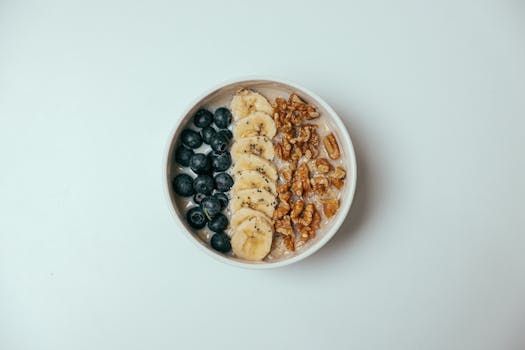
column 270, row 88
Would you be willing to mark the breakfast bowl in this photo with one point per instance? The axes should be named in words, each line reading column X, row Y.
column 260, row 173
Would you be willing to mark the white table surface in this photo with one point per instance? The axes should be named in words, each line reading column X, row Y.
column 431, row 257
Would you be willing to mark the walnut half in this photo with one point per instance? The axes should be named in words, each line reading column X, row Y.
column 330, row 207
column 331, row 146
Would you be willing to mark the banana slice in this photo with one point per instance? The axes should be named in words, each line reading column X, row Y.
column 246, row 102
column 252, row 240
column 246, row 213
column 258, row 145
column 253, row 162
column 255, row 124
column 257, row 199
column 248, row 179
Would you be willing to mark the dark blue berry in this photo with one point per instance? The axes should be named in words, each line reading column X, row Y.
column 198, row 197
column 191, row 138
column 202, row 118
column 203, row 184
column 223, row 199
column 221, row 242
column 223, row 117
column 183, row 185
column 219, row 223
column 211, row 207
column 226, row 133
column 219, row 143
column 183, row 155
column 220, row 161
column 207, row 133
column 200, row 164
column 196, row 218
column 223, row 182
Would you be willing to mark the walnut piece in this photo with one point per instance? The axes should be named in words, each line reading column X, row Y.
column 331, row 146
column 297, row 209
column 301, row 174
column 284, row 187
column 336, row 178
column 308, row 214
column 284, row 226
column 320, row 184
column 323, row 165
column 330, row 207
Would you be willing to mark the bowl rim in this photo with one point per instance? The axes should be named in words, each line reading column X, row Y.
column 342, row 215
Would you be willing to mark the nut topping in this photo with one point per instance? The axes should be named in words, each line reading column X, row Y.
column 330, row 206
column 331, row 146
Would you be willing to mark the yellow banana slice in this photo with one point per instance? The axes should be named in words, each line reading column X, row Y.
column 259, row 145
column 246, row 102
column 253, row 162
column 255, row 124
column 247, row 179
column 257, row 199
column 252, row 239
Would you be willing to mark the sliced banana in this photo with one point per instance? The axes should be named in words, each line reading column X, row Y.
column 259, row 145
column 252, row 239
column 243, row 214
column 248, row 179
column 246, row 102
column 255, row 124
column 253, row 162
column 257, row 199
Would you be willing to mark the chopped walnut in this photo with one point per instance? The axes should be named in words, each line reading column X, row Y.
column 323, row 166
column 285, row 197
column 287, row 174
column 301, row 174
column 320, row 184
column 284, row 187
column 284, row 226
column 331, row 146
column 330, row 207
column 297, row 188
column 289, row 241
column 282, row 209
column 316, row 221
column 339, row 173
column 308, row 213
column 297, row 209
column 305, row 232
column 338, row 183
column 336, row 178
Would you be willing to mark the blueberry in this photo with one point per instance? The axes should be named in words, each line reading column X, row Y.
column 182, row 185
column 207, row 133
column 211, row 207
column 223, row 199
column 226, row 133
column 218, row 224
column 183, row 155
column 198, row 197
column 220, row 161
column 219, row 143
column 196, row 218
column 203, row 184
column 202, row 118
column 223, row 182
column 223, row 117
column 191, row 138
column 221, row 242
column 200, row 164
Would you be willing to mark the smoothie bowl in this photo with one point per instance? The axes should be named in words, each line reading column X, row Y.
column 260, row 173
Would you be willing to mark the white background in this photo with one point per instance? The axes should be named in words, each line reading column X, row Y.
column 431, row 257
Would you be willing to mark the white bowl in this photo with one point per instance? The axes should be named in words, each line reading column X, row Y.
column 270, row 88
